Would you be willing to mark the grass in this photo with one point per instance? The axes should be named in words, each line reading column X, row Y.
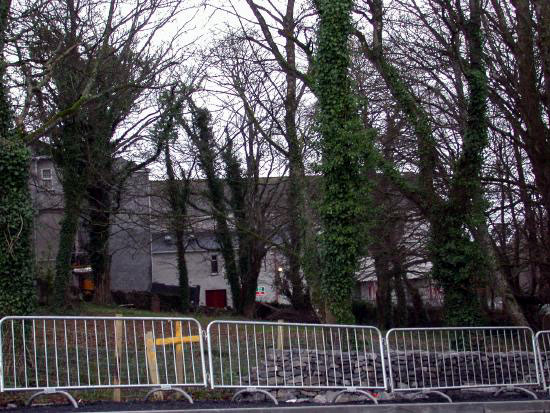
column 91, row 309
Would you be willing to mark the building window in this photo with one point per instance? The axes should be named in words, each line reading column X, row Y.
column 214, row 264
column 46, row 175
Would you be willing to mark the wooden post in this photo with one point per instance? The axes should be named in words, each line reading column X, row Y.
column 280, row 340
column 118, row 354
column 152, row 362
column 179, row 353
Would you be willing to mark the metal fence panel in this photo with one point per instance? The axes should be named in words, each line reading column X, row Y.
column 450, row 358
column 288, row 355
column 41, row 353
column 542, row 340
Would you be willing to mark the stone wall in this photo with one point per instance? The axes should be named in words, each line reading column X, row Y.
column 420, row 369
column 410, row 370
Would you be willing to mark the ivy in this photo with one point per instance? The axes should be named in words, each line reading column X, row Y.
column 202, row 136
column 17, row 295
column 345, row 152
column 178, row 190
column 460, row 263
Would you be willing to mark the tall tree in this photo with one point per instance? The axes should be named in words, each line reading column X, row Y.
column 177, row 190
column 287, row 69
column 344, row 146
column 17, row 296
column 116, row 69
column 519, row 69
column 456, row 214
column 241, row 202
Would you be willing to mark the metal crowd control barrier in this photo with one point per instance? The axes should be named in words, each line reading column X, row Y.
column 254, row 356
column 59, row 354
column 542, row 340
column 431, row 360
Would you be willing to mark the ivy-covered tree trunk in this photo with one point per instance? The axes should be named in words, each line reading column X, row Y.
column 243, row 189
column 311, row 263
column 99, row 205
column 99, row 196
column 67, row 237
column 183, row 275
column 178, row 195
column 343, row 147
column 400, row 312
column 201, row 135
column 17, row 294
column 459, row 262
column 71, row 162
column 459, row 259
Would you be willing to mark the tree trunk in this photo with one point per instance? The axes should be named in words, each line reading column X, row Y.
column 18, row 292
column 178, row 195
column 311, row 265
column 400, row 311
column 67, row 236
column 295, row 198
column 99, row 202
column 202, row 139
column 383, row 292
column 182, row 271
column 299, row 297
column 420, row 314
column 344, row 152
column 250, row 281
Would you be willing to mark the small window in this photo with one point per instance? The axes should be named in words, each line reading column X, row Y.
column 214, row 264
column 46, row 178
column 47, row 174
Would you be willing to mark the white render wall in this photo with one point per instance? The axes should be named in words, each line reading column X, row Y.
column 199, row 272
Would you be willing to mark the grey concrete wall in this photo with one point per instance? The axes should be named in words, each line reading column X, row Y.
column 199, row 271
column 130, row 234
column 130, row 243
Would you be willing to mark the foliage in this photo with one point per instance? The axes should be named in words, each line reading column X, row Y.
column 241, row 243
column 178, row 191
column 345, row 148
column 69, row 155
column 464, row 261
column 458, row 259
column 201, row 134
column 17, row 295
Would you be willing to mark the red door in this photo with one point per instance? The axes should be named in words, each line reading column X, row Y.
column 216, row 298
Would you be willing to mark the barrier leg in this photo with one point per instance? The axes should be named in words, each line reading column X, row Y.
column 436, row 392
column 366, row 393
column 177, row 390
column 445, row 396
column 64, row 393
column 255, row 390
column 518, row 389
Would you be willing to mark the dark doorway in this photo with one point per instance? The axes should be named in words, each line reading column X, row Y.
column 216, row 298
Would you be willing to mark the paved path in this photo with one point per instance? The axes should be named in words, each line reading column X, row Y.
column 531, row 406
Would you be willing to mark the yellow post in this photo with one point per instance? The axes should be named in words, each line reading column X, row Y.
column 179, row 356
column 152, row 362
column 118, row 355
